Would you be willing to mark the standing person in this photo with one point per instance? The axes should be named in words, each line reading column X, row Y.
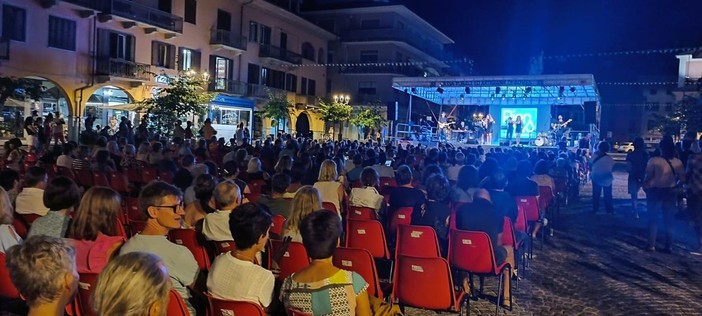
column 694, row 197
column 510, row 130
column 663, row 173
column 443, row 126
column 518, row 129
column 207, row 130
column 636, row 165
column 143, row 130
column 489, row 122
column 601, row 174
column 31, row 133
column 188, row 134
column 240, row 134
column 89, row 121
column 178, row 130
column 57, row 129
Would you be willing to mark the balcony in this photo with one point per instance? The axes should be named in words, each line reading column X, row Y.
column 261, row 91
column 397, row 35
column 228, row 40
column 409, row 71
column 228, row 86
column 284, row 55
column 4, row 48
column 112, row 67
column 134, row 11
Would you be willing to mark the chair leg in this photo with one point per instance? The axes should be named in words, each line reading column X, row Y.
column 472, row 287
column 510, row 289
column 499, row 294
column 482, row 279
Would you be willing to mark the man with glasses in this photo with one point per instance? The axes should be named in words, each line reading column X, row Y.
column 162, row 204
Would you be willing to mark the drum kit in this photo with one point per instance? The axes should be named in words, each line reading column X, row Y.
column 551, row 137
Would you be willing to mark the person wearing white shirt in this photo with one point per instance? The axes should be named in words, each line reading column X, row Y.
column 65, row 160
column 368, row 195
column 602, row 177
column 236, row 275
column 31, row 199
column 215, row 226
column 452, row 171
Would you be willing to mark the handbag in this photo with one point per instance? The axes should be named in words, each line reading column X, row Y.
column 679, row 188
column 383, row 308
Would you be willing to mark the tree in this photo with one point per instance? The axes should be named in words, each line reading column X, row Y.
column 185, row 95
column 334, row 112
column 277, row 108
column 369, row 117
column 686, row 115
column 19, row 88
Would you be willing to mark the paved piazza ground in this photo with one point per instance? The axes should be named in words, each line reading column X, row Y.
column 595, row 265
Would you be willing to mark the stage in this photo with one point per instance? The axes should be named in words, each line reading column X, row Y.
column 432, row 144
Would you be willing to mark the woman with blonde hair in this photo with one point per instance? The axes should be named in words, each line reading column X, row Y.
column 306, row 201
column 8, row 235
column 114, row 292
column 94, row 228
column 329, row 188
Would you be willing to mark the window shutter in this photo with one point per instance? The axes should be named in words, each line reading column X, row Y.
column 196, row 61
column 131, row 48
column 103, row 43
column 154, row 53
column 171, row 57
column 179, row 60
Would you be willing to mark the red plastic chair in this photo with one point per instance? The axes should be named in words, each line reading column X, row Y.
column 176, row 305
column 20, row 227
column 252, row 197
column 277, row 225
column 360, row 261
column 256, row 186
column 224, row 246
column 7, row 289
column 120, row 183
column 329, row 206
column 166, row 177
column 368, row 235
column 29, row 218
column 188, row 238
column 294, row 259
column 86, row 285
column 387, row 182
column 220, row 307
column 132, row 207
column 510, row 238
column 133, row 176
column 148, row 174
column 521, row 223
column 363, row 213
column 472, row 252
column 401, row 216
column 545, row 197
column 119, row 229
column 417, row 241
column 530, row 205
column 84, row 178
column 433, row 277
column 100, row 179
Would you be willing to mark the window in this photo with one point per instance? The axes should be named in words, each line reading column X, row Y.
column 369, row 56
column 652, row 107
column 330, row 56
column 320, row 56
column 62, row 33
column 115, row 45
column 265, row 35
column 224, row 20
column 303, row 86
column 254, row 75
column 188, row 59
column 366, row 87
column 370, row 24
column 291, row 83
column 253, row 31
column 222, row 72
column 307, row 51
column 669, row 107
column 311, row 87
column 190, row 15
column 162, row 55
column 14, row 21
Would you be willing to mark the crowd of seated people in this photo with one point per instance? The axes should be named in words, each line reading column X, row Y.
column 210, row 191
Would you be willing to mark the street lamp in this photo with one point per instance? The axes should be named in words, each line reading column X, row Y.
column 342, row 98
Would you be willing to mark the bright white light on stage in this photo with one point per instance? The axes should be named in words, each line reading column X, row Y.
column 528, row 115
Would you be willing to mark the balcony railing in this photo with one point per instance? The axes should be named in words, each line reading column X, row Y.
column 278, row 53
column 227, row 38
column 228, row 86
column 135, row 11
column 395, row 34
column 4, row 48
column 261, row 91
column 410, row 71
column 123, row 69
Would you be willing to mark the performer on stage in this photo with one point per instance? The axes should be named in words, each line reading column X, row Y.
column 489, row 122
column 443, row 126
column 510, row 130
column 518, row 129
column 560, row 126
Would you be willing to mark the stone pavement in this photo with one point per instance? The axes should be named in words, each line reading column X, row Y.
column 595, row 265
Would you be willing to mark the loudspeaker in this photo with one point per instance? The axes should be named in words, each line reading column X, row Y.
column 590, row 112
column 392, row 111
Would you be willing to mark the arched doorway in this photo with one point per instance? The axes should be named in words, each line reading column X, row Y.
column 302, row 126
column 46, row 97
column 107, row 105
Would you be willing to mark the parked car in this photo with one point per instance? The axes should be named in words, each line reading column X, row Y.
column 624, row 147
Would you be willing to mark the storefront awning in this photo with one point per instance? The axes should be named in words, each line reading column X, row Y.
column 132, row 107
column 230, row 101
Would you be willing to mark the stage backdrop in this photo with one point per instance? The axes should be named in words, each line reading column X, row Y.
column 536, row 118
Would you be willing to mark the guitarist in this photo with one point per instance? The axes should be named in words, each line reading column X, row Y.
column 560, row 126
column 443, row 126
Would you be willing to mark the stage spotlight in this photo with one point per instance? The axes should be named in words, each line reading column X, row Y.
column 439, row 89
column 467, row 90
column 497, row 90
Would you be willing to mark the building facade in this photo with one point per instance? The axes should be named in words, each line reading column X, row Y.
column 101, row 56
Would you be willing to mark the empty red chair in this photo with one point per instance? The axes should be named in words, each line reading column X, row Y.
column 220, row 307
column 133, row 175
column 252, row 197
column 224, row 246
column 417, row 241
column 545, row 197
column 256, row 186
column 277, row 225
column 66, row 172
column 20, row 227
column 84, row 177
column 176, row 305
column 29, row 218
column 530, row 205
column 294, row 259
column 401, row 216
column 367, row 235
column 132, row 207
column 472, row 252
column 7, row 289
column 120, row 183
column 100, row 179
column 360, row 261
column 433, row 277
column 521, row 223
column 86, row 285
column 329, row 206
column 148, row 174
column 188, row 238
column 364, row 213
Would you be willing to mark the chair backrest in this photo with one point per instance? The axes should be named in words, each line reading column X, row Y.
column 431, row 275
column 520, row 224
column 99, row 179
column 119, row 182
column 135, row 227
column 471, row 251
column 252, row 197
column 148, row 174
column 176, row 305
column 508, row 237
column 84, row 177
column 369, row 235
column 360, row 261
column 7, row 289
column 294, row 259
column 256, row 186
column 329, row 206
column 224, row 246
column 359, row 212
column 132, row 207
column 220, row 307
column 401, row 216
column 133, row 175
column 531, row 207
column 86, row 285
column 119, row 229
column 417, row 241
column 20, row 227
column 545, row 197
column 29, row 218
column 387, row 182
column 166, row 176
column 278, row 224
column 188, row 238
